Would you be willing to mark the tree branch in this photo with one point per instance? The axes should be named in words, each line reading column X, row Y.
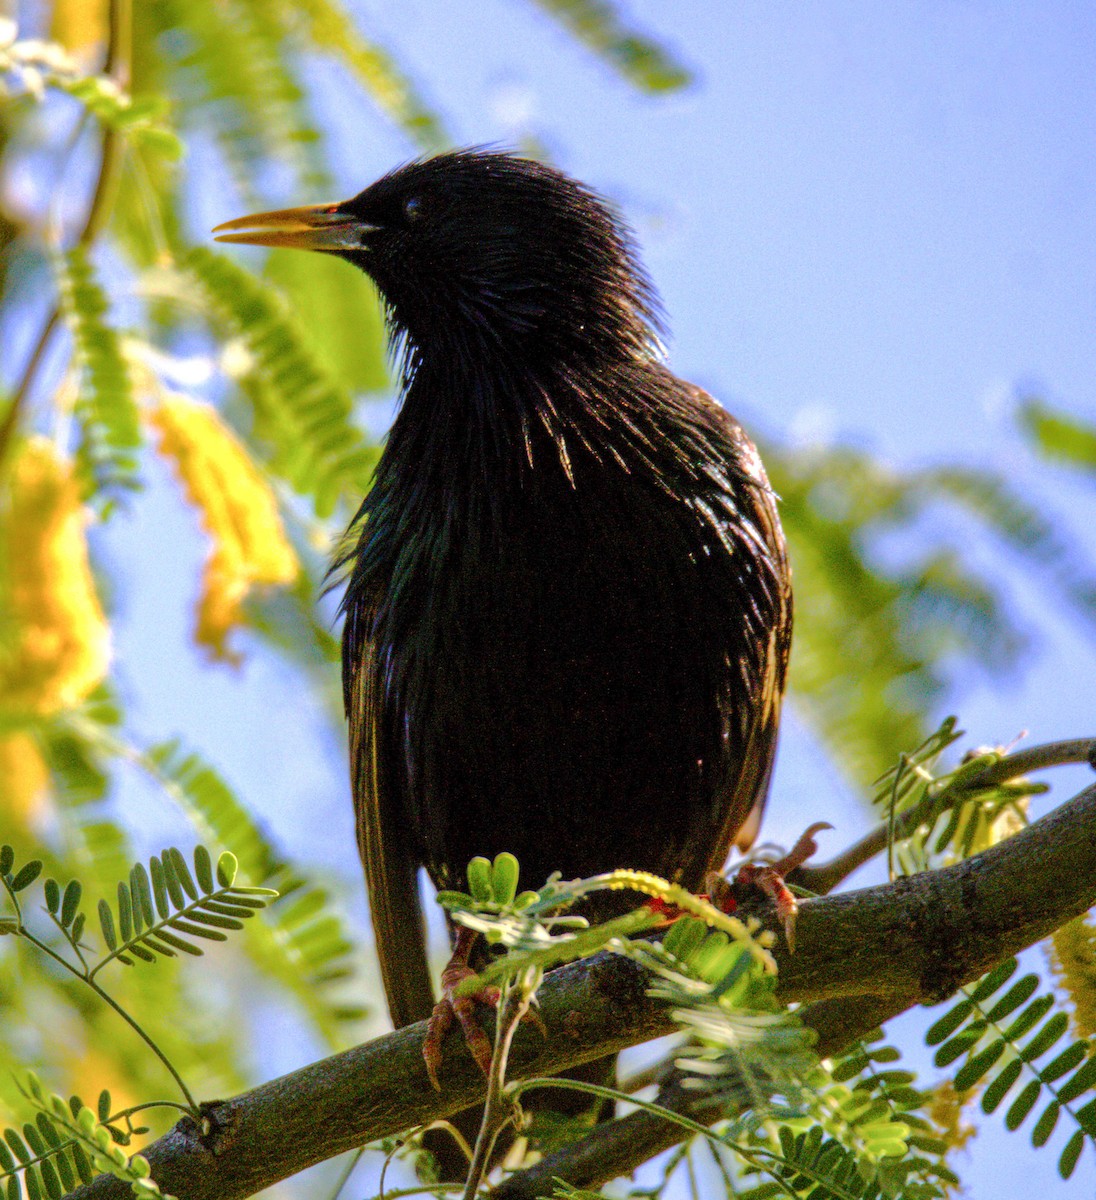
column 914, row 940
column 822, row 878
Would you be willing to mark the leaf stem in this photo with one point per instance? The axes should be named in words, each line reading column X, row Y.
column 192, row 1104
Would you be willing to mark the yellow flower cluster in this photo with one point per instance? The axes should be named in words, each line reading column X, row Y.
column 1073, row 961
column 54, row 639
column 237, row 509
column 23, row 779
column 55, row 645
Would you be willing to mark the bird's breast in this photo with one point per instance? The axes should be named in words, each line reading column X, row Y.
column 560, row 680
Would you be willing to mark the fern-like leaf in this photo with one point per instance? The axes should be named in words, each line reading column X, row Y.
column 303, row 942
column 162, row 911
column 986, row 1028
column 326, row 26
column 106, row 408
column 317, row 446
column 231, row 66
column 33, row 65
column 66, row 1145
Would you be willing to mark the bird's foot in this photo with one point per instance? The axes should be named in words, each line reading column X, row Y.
column 769, row 878
column 462, row 1004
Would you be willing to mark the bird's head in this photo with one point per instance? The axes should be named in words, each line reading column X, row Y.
column 483, row 246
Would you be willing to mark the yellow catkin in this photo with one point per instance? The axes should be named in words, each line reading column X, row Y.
column 238, row 511
column 23, row 780
column 55, row 647
column 1073, row 962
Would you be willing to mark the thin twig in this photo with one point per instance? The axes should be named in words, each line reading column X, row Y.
column 824, row 877
column 500, row 1107
column 116, row 64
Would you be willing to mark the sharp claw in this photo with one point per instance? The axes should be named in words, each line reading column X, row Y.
column 803, row 849
column 440, row 1020
column 789, row 931
column 454, row 1004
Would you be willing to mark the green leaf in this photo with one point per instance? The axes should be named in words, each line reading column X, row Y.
column 182, row 872
column 972, row 1071
column 1000, row 1085
column 1086, row 1118
column 159, row 887
column 52, row 894
column 26, row 875
column 997, row 978
column 479, row 879
column 71, row 902
column 1060, row 436
column 33, row 1138
column 177, row 943
column 1079, row 1083
column 63, row 1162
column 1023, row 1104
column 1062, row 1063
column 106, row 407
column 203, row 869
column 82, row 1164
column 50, row 1181
column 127, row 911
column 504, row 878
column 643, row 62
column 171, row 880
column 1044, row 1127
column 1018, row 994
column 195, row 928
column 18, row 1146
column 142, row 895
column 1071, row 1154
column 957, row 1046
column 227, row 866
column 1051, row 1032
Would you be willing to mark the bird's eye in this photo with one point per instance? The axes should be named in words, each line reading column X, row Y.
column 412, row 208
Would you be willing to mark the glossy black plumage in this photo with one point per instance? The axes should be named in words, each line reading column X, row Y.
column 568, row 612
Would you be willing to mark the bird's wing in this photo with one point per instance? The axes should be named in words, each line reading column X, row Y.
column 758, row 503
column 391, row 869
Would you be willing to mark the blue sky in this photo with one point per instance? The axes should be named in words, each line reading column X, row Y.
column 872, row 222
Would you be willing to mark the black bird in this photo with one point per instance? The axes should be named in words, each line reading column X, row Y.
column 568, row 613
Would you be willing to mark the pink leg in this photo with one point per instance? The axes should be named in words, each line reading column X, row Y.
column 462, row 1006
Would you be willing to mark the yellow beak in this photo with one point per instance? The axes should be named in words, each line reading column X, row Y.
column 310, row 227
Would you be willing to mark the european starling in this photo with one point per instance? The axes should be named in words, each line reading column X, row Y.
column 568, row 612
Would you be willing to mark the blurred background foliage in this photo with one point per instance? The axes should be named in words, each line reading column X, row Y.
column 132, row 350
